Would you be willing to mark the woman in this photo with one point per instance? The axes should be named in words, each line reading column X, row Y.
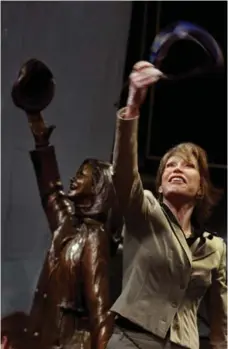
column 169, row 261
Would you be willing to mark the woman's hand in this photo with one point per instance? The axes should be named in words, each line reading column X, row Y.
column 142, row 76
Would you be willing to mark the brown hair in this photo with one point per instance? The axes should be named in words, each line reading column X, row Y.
column 103, row 188
column 210, row 195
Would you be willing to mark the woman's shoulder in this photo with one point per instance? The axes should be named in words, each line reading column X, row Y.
column 151, row 198
column 216, row 241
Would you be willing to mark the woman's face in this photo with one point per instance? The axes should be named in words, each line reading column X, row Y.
column 82, row 183
column 180, row 179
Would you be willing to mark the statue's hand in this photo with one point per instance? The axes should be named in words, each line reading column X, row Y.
column 41, row 132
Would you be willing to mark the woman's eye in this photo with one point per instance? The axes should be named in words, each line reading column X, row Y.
column 170, row 164
column 190, row 165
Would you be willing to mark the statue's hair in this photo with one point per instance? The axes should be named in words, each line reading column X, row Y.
column 103, row 190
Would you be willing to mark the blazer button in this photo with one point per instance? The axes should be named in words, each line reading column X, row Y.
column 36, row 334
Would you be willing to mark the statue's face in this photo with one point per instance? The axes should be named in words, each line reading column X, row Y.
column 81, row 185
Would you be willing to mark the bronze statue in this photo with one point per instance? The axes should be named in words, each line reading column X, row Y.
column 71, row 304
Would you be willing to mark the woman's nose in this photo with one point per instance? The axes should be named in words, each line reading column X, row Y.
column 178, row 168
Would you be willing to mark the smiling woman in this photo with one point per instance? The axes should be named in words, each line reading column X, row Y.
column 189, row 162
column 170, row 262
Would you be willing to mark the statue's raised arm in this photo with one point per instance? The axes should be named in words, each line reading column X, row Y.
column 32, row 92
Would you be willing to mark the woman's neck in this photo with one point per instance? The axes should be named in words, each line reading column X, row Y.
column 183, row 215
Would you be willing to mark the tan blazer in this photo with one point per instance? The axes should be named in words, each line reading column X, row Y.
column 164, row 279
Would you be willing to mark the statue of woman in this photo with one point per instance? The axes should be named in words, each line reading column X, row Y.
column 71, row 303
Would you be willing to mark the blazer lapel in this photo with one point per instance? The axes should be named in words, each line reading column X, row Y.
column 201, row 247
column 182, row 240
column 177, row 231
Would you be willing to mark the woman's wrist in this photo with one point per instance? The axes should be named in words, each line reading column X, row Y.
column 132, row 112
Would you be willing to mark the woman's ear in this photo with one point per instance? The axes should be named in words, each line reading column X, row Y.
column 199, row 194
column 160, row 190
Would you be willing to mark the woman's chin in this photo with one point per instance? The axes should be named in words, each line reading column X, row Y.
column 72, row 195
